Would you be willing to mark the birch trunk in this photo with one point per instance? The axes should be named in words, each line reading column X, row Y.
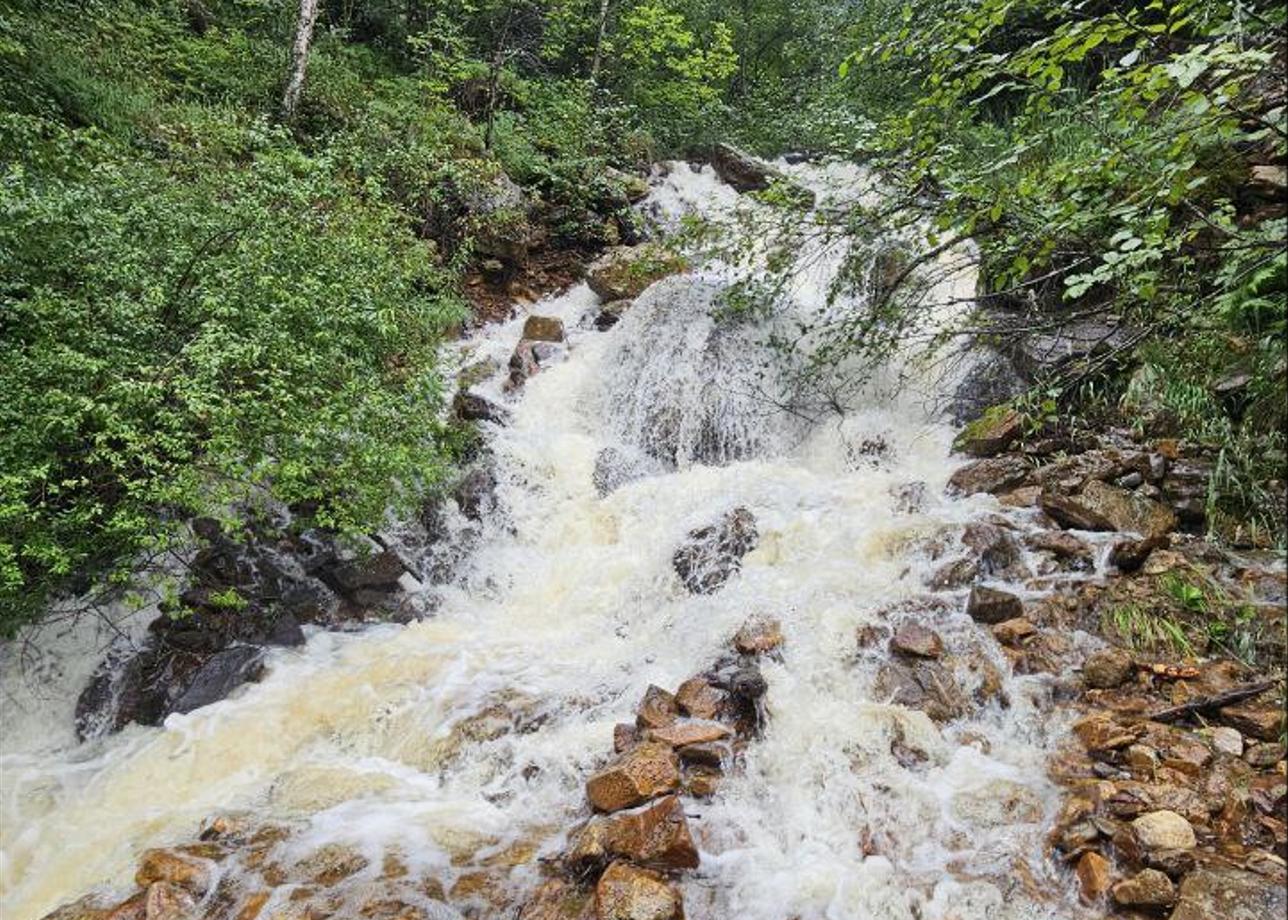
column 299, row 57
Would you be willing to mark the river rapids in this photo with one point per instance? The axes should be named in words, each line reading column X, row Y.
column 569, row 605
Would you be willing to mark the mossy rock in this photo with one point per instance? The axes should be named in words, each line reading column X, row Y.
column 990, row 434
column 624, row 272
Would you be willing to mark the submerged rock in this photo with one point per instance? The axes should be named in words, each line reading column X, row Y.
column 712, row 555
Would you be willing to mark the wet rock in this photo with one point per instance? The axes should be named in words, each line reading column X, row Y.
column 611, row 313
column 999, row 803
column 1130, row 555
column 926, row 685
column 712, row 555
column 699, row 698
column 1095, row 875
column 624, row 272
column 991, row 606
column 186, row 872
column 990, row 434
column 1258, row 720
column 625, row 737
column 168, row 902
column 1147, row 888
column 758, row 635
column 1163, row 830
column 683, row 734
column 614, row 469
column 917, row 641
column 1062, row 545
column 1014, row 632
column 658, row 709
column 1044, row 354
column 331, row 864
column 992, row 380
column 1023, row 497
column 955, row 574
column 1185, row 488
column 996, row 549
column 543, row 329
column 642, row 773
column 376, row 569
column 656, row 836
column 1107, row 668
column 475, row 494
column 557, row 899
column 470, row 407
column 625, row 892
column 745, row 173
column 220, row 675
column 711, row 754
column 1223, row 893
column 993, row 475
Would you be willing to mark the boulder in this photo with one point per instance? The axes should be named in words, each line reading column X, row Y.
column 624, row 272
column 1129, row 555
column 1014, row 632
column 1163, row 830
column 179, row 869
column 625, row 892
column 220, row 674
column 712, row 555
column 475, row 494
column 656, row 836
column 991, row 606
column 1107, row 668
column 376, row 569
column 1043, row 354
column 758, row 635
column 644, row 772
column 1225, row 893
column 745, row 173
column 1061, row 545
column 917, row 641
column 543, row 329
column 990, row 434
column 1147, row 888
column 470, row 407
column 992, row 475
column 614, row 469
column 995, row 548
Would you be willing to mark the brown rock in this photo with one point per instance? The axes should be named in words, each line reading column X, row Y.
column 165, row 901
column 624, row 272
column 1147, row 888
column 1060, row 544
column 642, row 773
column 921, row 684
column 702, row 781
column 1129, row 555
column 1095, row 875
column 658, row 708
column 955, row 574
column 543, row 329
column 656, row 836
column 186, row 872
column 1100, row 506
column 710, row 754
column 627, row 893
column 711, row 555
column 758, row 635
column 989, row 605
column 683, row 734
column 1014, row 632
column 1222, row 893
column 993, row 475
column 697, row 697
column 1259, row 720
column 1107, row 668
column 917, row 640
column 1023, row 497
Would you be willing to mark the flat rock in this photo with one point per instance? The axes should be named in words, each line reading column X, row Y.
column 644, row 772
column 682, row 734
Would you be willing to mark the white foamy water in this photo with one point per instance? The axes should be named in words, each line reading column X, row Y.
column 568, row 611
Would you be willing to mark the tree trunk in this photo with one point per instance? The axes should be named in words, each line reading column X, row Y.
column 299, row 58
column 599, row 41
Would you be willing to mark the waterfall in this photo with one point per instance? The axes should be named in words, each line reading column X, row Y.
column 568, row 608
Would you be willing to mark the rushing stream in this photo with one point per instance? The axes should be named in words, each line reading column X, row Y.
column 566, row 611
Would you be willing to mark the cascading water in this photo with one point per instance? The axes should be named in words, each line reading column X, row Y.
column 849, row 806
